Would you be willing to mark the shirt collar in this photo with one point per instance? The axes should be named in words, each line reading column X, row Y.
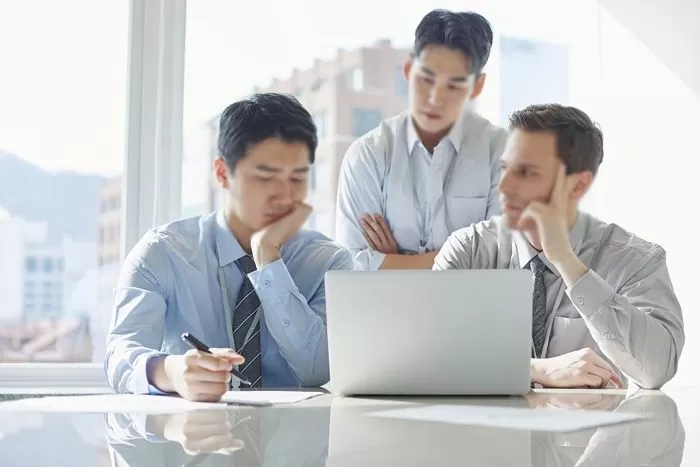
column 455, row 135
column 526, row 251
column 228, row 249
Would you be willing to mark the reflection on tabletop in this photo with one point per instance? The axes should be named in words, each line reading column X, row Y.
column 343, row 434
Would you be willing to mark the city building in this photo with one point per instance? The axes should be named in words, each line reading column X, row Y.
column 109, row 223
column 347, row 96
column 37, row 279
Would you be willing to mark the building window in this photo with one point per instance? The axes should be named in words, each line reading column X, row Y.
column 48, row 265
column 364, row 120
column 30, row 264
column 401, row 83
column 357, row 79
column 59, row 265
column 321, row 122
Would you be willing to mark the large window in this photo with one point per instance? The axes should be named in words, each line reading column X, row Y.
column 62, row 115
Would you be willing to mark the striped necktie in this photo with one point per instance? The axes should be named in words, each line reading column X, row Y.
column 539, row 305
column 247, row 325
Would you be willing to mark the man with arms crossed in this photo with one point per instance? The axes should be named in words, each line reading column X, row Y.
column 603, row 302
column 245, row 280
column 409, row 183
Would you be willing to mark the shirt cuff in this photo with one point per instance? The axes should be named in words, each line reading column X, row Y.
column 142, row 374
column 272, row 281
column 367, row 259
column 591, row 294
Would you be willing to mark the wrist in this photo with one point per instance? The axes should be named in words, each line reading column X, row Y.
column 571, row 269
column 537, row 370
column 264, row 254
column 162, row 375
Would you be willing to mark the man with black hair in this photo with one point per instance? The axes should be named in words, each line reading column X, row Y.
column 245, row 280
column 409, row 183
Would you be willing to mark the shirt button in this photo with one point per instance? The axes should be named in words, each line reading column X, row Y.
column 267, row 283
column 608, row 336
column 285, row 322
column 580, row 301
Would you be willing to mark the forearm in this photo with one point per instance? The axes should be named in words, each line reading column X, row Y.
column 644, row 344
column 420, row 261
column 298, row 329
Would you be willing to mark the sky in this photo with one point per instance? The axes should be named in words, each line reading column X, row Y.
column 63, row 64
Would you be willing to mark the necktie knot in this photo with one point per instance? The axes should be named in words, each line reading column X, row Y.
column 246, row 263
column 537, row 266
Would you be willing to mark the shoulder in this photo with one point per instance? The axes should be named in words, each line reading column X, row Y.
column 183, row 236
column 614, row 237
column 371, row 148
column 485, row 233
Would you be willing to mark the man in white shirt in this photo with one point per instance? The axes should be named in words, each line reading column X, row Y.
column 603, row 302
column 409, row 183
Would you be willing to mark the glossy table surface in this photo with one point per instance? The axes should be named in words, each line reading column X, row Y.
column 333, row 431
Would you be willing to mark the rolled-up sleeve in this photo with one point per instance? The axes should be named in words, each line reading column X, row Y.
column 136, row 328
column 640, row 327
column 360, row 193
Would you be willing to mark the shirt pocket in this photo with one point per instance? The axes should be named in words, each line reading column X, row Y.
column 463, row 211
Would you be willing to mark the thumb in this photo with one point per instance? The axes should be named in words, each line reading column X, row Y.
column 229, row 355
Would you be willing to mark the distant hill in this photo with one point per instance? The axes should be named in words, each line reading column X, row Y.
column 67, row 202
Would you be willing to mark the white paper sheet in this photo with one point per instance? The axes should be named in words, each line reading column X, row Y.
column 267, row 397
column 150, row 404
column 509, row 417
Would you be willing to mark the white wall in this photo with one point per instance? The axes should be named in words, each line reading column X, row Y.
column 650, row 115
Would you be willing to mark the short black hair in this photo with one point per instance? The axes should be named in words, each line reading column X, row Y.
column 579, row 139
column 260, row 117
column 467, row 32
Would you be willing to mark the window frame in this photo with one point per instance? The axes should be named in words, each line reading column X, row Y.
column 153, row 160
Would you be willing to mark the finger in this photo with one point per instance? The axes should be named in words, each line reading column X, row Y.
column 598, row 361
column 617, row 380
column 209, row 362
column 229, row 355
column 220, row 442
column 602, row 373
column 386, row 231
column 302, row 212
column 592, row 381
column 202, row 375
column 373, row 230
column 208, row 392
column 531, row 216
column 370, row 242
column 559, row 193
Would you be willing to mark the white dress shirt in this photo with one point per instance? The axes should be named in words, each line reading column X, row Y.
column 423, row 197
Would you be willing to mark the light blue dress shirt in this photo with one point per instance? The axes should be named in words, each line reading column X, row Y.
column 169, row 284
column 424, row 197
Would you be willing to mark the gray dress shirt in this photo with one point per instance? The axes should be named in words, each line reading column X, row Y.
column 624, row 307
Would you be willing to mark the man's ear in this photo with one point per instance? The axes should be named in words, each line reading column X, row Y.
column 580, row 184
column 221, row 173
column 478, row 86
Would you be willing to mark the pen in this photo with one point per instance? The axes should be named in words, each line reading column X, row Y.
column 199, row 345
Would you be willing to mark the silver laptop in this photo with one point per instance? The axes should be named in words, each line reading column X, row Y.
column 458, row 332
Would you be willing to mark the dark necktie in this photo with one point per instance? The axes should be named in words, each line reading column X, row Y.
column 539, row 305
column 245, row 324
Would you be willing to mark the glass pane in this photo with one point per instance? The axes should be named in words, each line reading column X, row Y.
column 350, row 77
column 63, row 94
